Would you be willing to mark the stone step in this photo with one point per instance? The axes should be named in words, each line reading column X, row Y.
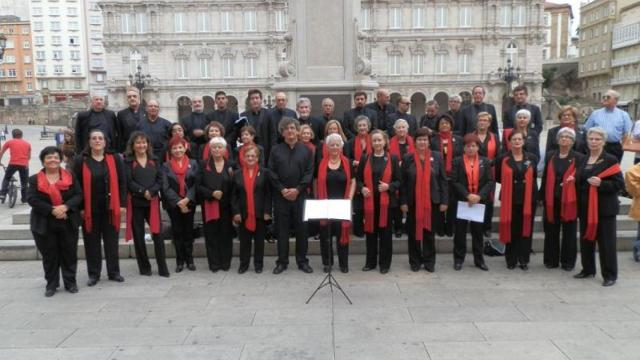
column 26, row 249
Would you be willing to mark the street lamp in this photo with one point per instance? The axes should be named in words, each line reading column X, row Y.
column 268, row 103
column 3, row 44
column 509, row 75
column 139, row 80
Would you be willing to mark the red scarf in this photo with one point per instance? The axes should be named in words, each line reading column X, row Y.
column 53, row 190
column 241, row 152
column 357, row 146
column 506, row 194
column 114, row 193
column 154, row 211
column 384, row 196
column 423, row 193
column 492, row 145
column 592, row 212
column 505, row 136
column 311, row 148
column 323, row 194
column 447, row 151
column 249, row 182
column 473, row 173
column 568, row 202
column 211, row 207
column 394, row 146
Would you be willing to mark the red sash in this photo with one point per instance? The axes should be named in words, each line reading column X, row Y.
column 154, row 211
column 357, row 147
column 492, row 146
column 311, row 148
column 505, row 136
column 249, row 182
column 473, row 173
column 506, row 198
column 423, row 194
column 384, row 196
column 592, row 211
column 394, row 146
column 54, row 190
column 323, row 193
column 568, row 202
column 447, row 151
column 211, row 207
column 114, row 193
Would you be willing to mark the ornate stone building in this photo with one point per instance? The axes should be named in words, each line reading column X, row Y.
column 420, row 48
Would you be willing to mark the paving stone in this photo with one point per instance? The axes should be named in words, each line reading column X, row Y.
column 365, row 350
column 56, row 320
column 177, row 353
column 495, row 350
column 160, row 318
column 436, row 314
column 129, row 336
column 35, row 338
column 277, row 334
column 600, row 349
column 620, row 329
column 529, row 331
column 271, row 351
column 57, row 354
column 393, row 333
column 572, row 312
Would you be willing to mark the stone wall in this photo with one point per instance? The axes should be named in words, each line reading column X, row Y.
column 54, row 114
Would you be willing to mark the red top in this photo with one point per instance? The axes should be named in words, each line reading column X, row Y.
column 20, row 151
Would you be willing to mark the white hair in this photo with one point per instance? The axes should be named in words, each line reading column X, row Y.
column 334, row 138
column 400, row 122
column 218, row 140
column 524, row 112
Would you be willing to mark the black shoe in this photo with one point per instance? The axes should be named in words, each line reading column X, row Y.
column 73, row 288
column 344, row 269
column 524, row 267
column 511, row 266
column 550, row 266
column 179, row 268
column 325, row 268
column 92, row 282
column 145, row 273
column 583, row 275
column 164, row 274
column 192, row 267
column 608, row 282
column 448, row 233
column 567, row 267
column 440, row 233
column 415, row 267
column 49, row 292
column 457, row 266
column 305, row 268
column 368, row 268
column 430, row 268
column 384, row 271
column 482, row 266
column 398, row 233
column 487, row 233
column 116, row 278
column 279, row 269
column 242, row 269
column 258, row 270
column 636, row 255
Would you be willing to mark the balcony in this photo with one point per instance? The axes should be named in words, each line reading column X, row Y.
column 624, row 36
column 625, row 61
column 631, row 80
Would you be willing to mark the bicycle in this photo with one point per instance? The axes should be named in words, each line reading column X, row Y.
column 12, row 191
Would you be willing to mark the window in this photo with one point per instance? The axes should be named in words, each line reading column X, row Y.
column 441, row 16
column 71, row 11
column 204, row 22
column 39, row 40
column 250, row 21
column 96, row 20
column 74, row 25
column 9, row 44
column 58, row 69
column 205, row 71
column 505, row 16
column 178, row 19
column 126, row 23
column 57, row 54
column 96, row 49
column 603, row 64
column 441, row 63
column 418, row 18
column 365, row 18
column 11, row 73
column 546, row 19
column 465, row 17
column 77, row 84
column 463, row 64
column 226, row 21
column 96, row 35
column 227, row 67
column 40, row 55
column 36, row 11
column 604, row 29
column 252, row 70
column 1, row 73
column 182, row 68
column 141, row 23
column 29, row 86
column 54, row 11
column 56, row 40
column 55, row 26
column 75, row 55
column 25, row 30
column 604, row 46
column 394, row 64
column 134, row 60
column 60, row 84
column 28, row 73
column 281, row 20
column 97, row 63
column 395, row 18
column 44, row 84
column 99, row 78
column 9, row 59
column 74, row 40
column 26, row 44
column 75, row 69
column 512, row 54
column 417, row 66
column 27, row 59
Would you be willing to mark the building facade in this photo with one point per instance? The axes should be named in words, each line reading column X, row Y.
column 95, row 57
column 625, row 63
column 17, row 82
column 422, row 49
column 59, row 47
column 559, row 19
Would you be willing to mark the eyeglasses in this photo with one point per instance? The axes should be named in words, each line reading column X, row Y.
column 606, row 97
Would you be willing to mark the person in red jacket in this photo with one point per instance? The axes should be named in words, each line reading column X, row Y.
column 20, row 153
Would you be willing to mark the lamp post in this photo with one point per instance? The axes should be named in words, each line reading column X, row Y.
column 3, row 44
column 268, row 103
column 139, row 80
column 509, row 75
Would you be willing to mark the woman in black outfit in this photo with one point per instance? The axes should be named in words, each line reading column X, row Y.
column 144, row 181
column 473, row 183
column 251, row 203
column 490, row 149
column 214, row 191
column 335, row 180
column 354, row 149
column 179, row 199
column 568, row 117
column 378, row 178
column 516, row 172
column 599, row 179
column 531, row 137
column 104, row 187
column 54, row 196
column 559, row 197
column 423, row 195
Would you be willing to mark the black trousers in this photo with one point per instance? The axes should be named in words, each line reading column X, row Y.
column 23, row 172
column 447, row 220
column 289, row 213
column 139, row 215
column 182, row 230
column 555, row 252
column 488, row 215
column 519, row 249
column 606, row 240
column 380, row 243
column 422, row 252
column 59, row 250
column 106, row 233
column 245, row 236
column 326, row 244
column 615, row 149
column 460, row 241
column 357, row 222
column 218, row 238
column 397, row 221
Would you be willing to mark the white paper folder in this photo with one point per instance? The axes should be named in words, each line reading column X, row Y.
column 334, row 209
column 473, row 213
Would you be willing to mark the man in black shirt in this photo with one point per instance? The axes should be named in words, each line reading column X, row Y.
column 256, row 116
column 520, row 94
column 97, row 117
column 359, row 100
column 402, row 112
column 273, row 120
column 291, row 173
column 127, row 119
column 430, row 118
column 383, row 108
column 470, row 112
column 195, row 122
column 303, row 106
column 455, row 102
column 225, row 117
column 156, row 128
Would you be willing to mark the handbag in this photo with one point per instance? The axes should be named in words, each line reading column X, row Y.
column 631, row 144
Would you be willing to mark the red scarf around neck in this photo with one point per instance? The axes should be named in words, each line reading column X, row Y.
column 592, row 212
column 446, row 150
column 114, row 193
column 357, row 146
column 492, row 145
column 384, row 196
column 249, row 185
column 179, row 168
column 568, row 202
column 472, row 169
column 506, row 198
column 154, row 210
column 54, row 190
column 423, row 193
column 323, row 193
column 394, row 146
column 211, row 206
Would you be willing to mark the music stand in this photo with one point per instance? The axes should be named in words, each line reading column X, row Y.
column 328, row 210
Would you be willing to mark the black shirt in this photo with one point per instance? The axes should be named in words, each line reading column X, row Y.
column 98, row 170
column 290, row 167
column 127, row 122
column 158, row 133
column 336, row 182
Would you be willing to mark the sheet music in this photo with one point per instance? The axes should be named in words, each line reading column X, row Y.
column 335, row 209
column 473, row 213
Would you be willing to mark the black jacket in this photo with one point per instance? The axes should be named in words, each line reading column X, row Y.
column 170, row 196
column 460, row 182
column 519, row 176
column 122, row 180
column 608, row 203
column 382, row 115
column 192, row 122
column 413, row 123
column 469, row 119
column 104, row 120
column 210, row 181
column 509, row 117
column 290, row 168
column 484, row 147
column 348, row 125
column 458, row 146
column 531, row 145
column 580, row 145
column 316, row 125
column 394, row 185
column 158, row 133
column 127, row 122
column 41, row 205
column 259, row 122
column 135, row 188
column 261, row 195
column 439, row 184
column 573, row 156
